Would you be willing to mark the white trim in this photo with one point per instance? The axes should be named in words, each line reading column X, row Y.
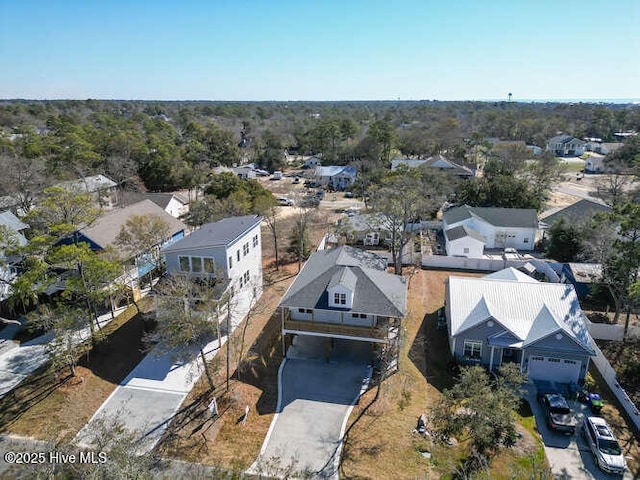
column 333, row 335
column 491, row 359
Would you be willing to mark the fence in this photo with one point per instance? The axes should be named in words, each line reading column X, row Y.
column 609, row 376
column 463, row 263
column 604, row 331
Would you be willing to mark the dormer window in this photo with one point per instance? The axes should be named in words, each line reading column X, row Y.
column 340, row 298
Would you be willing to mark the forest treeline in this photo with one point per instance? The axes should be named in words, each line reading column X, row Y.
column 163, row 146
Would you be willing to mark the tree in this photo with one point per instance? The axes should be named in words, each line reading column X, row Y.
column 565, row 241
column 614, row 188
column 403, row 198
column 269, row 211
column 481, row 408
column 299, row 242
column 142, row 237
column 504, row 191
column 187, row 309
column 383, row 134
column 23, row 179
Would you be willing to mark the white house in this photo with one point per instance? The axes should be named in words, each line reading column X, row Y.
column 497, row 227
column 602, row 148
column 463, row 241
column 174, row 204
column 312, row 162
column 509, row 317
column 566, row 146
column 230, row 248
column 437, row 162
column 335, row 177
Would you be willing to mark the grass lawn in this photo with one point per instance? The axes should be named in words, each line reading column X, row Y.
column 380, row 443
column 50, row 406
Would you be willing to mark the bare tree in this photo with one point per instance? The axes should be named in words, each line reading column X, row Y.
column 23, row 179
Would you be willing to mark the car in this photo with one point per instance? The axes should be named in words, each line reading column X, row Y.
column 285, row 202
column 296, row 180
column 320, row 194
column 558, row 415
column 348, row 195
column 604, row 445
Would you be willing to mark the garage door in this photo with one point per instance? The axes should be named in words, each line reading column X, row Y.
column 552, row 369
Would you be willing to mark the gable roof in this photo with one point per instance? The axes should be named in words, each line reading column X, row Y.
column 529, row 310
column 163, row 199
column 375, row 291
column 580, row 212
column 436, row 161
column 14, row 224
column 90, row 184
column 461, row 231
column 218, row 234
column 564, row 139
column 510, row 274
column 498, row 217
column 332, row 171
column 105, row 229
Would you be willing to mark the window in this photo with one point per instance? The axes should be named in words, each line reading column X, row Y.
column 340, row 298
column 255, row 240
column 553, row 360
column 526, row 240
column 230, row 261
column 208, row 265
column 184, row 264
column 238, row 255
column 196, row 264
column 466, row 250
column 246, row 277
column 507, row 353
column 245, row 249
column 472, row 349
column 305, row 310
column 358, row 315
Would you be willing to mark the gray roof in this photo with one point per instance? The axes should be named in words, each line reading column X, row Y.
column 462, row 231
column 104, row 230
column 221, row 233
column 580, row 212
column 499, row 217
column 8, row 219
column 163, row 199
column 376, row 291
column 436, row 161
column 564, row 139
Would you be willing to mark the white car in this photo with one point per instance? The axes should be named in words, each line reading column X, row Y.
column 603, row 445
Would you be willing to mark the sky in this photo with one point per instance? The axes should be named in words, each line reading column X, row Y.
column 253, row 50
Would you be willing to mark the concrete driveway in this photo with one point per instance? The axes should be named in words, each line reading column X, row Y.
column 568, row 455
column 315, row 400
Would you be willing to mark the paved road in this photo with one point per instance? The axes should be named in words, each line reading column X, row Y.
column 568, row 455
column 315, row 401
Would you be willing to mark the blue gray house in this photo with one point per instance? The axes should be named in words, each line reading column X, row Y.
column 508, row 316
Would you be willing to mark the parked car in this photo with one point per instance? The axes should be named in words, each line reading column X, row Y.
column 603, row 445
column 277, row 175
column 348, row 194
column 558, row 415
column 262, row 173
column 296, row 180
column 285, row 202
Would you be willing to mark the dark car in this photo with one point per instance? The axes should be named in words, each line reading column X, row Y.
column 558, row 415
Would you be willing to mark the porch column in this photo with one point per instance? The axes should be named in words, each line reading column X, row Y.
column 284, row 344
column 491, row 359
column 522, row 360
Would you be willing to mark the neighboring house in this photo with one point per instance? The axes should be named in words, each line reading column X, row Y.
column 346, row 293
column 463, row 241
column 577, row 213
column 508, row 316
column 104, row 231
column 497, row 227
column 602, row 148
column 334, row 177
column 246, row 172
column 566, row 146
column 230, row 248
column 103, row 190
column 583, row 277
column 312, row 162
column 366, row 228
column 174, row 204
column 437, row 162
column 13, row 227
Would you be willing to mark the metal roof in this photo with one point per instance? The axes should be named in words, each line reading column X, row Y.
column 531, row 311
column 510, row 274
column 221, row 233
column 376, row 292
column 90, row 184
column 332, row 171
column 580, row 212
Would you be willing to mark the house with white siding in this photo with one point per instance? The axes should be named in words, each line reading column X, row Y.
column 231, row 249
column 496, row 227
column 566, row 146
